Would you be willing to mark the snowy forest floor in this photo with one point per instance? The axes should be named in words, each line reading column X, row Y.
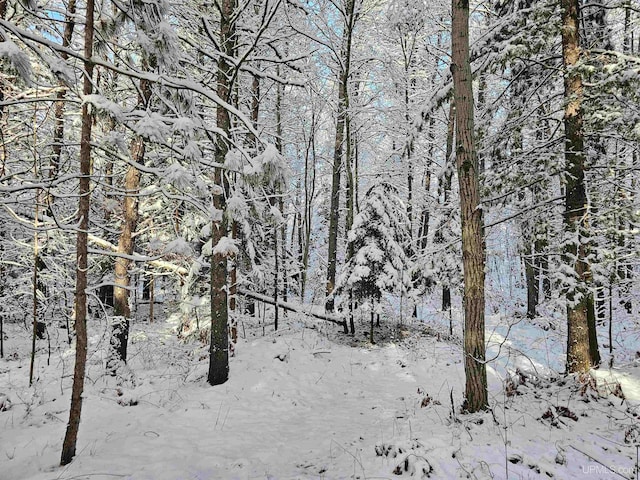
column 309, row 402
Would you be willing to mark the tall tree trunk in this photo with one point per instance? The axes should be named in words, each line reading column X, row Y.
column 152, row 296
column 445, row 185
column 309, row 193
column 408, row 153
column 576, row 207
column 126, row 245
column 71, row 435
column 531, row 278
column 296, row 234
column 283, row 227
column 35, row 280
column 276, row 276
column 334, row 214
column 219, row 347
column 276, row 230
column 627, row 46
column 594, row 352
column 473, row 253
column 283, row 260
column 423, row 232
column 351, row 192
column 542, row 264
column 233, row 292
column 255, row 106
column 350, row 178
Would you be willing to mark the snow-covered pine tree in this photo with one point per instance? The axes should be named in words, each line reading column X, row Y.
column 380, row 237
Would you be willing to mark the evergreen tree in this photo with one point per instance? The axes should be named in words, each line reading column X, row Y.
column 380, row 238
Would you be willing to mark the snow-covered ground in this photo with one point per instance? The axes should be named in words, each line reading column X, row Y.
column 309, row 402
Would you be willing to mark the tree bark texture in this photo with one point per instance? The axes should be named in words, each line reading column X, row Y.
column 219, row 347
column 473, row 253
column 71, row 435
column 576, row 208
column 126, row 244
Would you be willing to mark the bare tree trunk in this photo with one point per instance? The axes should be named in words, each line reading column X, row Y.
column 276, row 278
column 122, row 309
column 309, row 193
column 351, row 192
column 296, row 234
column 126, row 244
column 152, row 297
column 219, row 347
column 39, row 327
column 610, row 324
column 594, row 353
column 542, row 264
column 408, row 153
column 233, row 291
column 473, row 252
column 283, row 227
column 576, row 203
column 423, row 231
column 35, row 322
column 350, row 178
column 371, row 328
column 627, row 46
column 276, row 230
column 445, row 184
column 285, row 267
column 531, row 278
column 255, row 106
column 71, row 435
column 334, row 214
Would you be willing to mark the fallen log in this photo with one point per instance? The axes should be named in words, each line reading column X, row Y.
column 294, row 307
